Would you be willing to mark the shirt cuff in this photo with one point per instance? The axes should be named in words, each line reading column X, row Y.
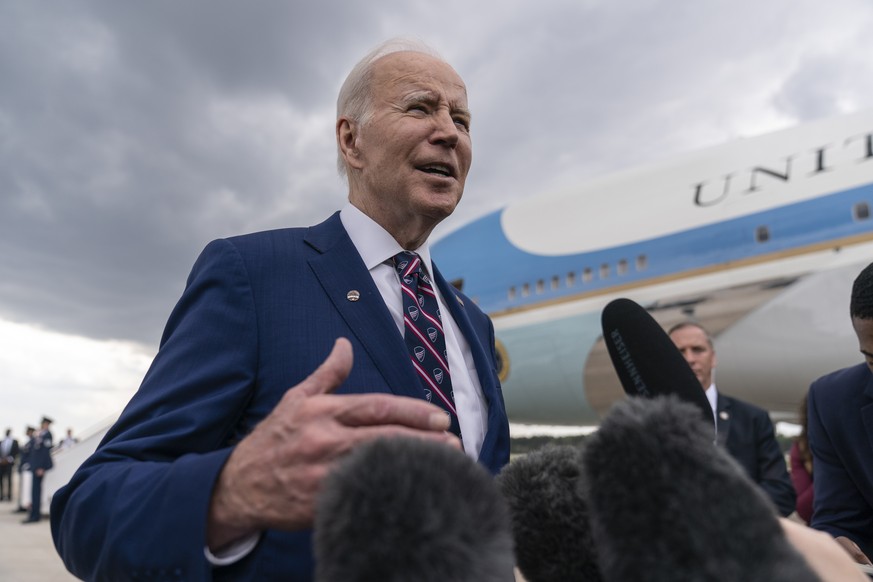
column 234, row 552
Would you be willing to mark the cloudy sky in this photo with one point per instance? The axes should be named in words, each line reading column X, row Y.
column 132, row 133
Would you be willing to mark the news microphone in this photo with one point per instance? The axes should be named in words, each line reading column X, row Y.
column 666, row 505
column 550, row 520
column 403, row 509
column 646, row 359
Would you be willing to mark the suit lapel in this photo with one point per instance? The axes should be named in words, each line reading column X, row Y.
column 459, row 313
column 497, row 431
column 340, row 271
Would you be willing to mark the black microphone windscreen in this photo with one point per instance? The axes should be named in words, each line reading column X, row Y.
column 403, row 509
column 646, row 359
column 550, row 516
column 666, row 504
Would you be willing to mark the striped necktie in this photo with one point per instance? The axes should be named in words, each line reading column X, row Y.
column 423, row 333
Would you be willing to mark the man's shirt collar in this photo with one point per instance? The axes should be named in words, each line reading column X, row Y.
column 374, row 243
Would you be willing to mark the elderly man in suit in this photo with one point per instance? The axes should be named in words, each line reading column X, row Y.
column 840, row 417
column 745, row 430
column 213, row 468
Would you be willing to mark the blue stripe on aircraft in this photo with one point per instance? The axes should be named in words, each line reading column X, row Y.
column 490, row 265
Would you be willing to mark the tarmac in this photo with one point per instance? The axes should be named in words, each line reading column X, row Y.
column 27, row 553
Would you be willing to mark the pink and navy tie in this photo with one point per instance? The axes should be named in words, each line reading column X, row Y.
column 424, row 334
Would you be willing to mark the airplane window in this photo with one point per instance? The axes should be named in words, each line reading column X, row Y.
column 541, row 286
column 861, row 211
column 642, row 262
column 571, row 279
column 525, row 290
column 762, row 234
column 604, row 271
column 622, row 267
column 587, row 275
column 511, row 294
column 555, row 282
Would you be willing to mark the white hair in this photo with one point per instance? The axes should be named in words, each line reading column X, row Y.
column 353, row 100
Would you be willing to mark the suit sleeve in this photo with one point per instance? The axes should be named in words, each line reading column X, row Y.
column 839, row 508
column 772, row 470
column 137, row 508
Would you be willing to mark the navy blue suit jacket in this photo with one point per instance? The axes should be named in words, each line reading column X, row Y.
column 41, row 452
column 259, row 313
column 840, row 416
column 747, row 433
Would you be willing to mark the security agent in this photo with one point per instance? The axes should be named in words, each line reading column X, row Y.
column 745, row 430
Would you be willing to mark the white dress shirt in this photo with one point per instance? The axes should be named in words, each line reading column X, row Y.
column 376, row 248
column 712, row 396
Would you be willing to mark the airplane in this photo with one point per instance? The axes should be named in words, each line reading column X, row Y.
column 758, row 240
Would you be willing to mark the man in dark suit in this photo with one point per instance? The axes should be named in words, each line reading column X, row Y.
column 213, row 469
column 745, row 430
column 40, row 460
column 8, row 454
column 840, row 417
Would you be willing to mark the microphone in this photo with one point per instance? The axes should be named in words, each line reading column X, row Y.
column 666, row 505
column 403, row 509
column 646, row 359
column 550, row 519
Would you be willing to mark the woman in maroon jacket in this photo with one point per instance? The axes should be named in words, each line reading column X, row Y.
column 801, row 468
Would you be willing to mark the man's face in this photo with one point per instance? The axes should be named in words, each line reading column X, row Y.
column 413, row 154
column 695, row 348
column 864, row 331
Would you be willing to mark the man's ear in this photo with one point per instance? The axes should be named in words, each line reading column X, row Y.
column 347, row 141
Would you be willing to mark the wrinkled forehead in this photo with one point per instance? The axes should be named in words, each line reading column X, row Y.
column 407, row 72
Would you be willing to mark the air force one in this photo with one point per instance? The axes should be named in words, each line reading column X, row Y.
column 758, row 240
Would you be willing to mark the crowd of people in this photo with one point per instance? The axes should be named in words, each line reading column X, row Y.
column 215, row 468
column 28, row 461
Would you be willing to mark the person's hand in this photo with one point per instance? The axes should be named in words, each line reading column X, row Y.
column 853, row 550
column 272, row 477
column 822, row 553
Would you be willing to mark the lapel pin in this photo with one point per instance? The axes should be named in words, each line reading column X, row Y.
column 353, row 295
column 723, row 415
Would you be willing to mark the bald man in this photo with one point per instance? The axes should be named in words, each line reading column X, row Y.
column 744, row 429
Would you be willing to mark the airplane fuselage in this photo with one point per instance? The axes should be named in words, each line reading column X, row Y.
column 758, row 240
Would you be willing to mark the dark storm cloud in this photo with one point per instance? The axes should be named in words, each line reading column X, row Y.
column 133, row 133
column 126, row 147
